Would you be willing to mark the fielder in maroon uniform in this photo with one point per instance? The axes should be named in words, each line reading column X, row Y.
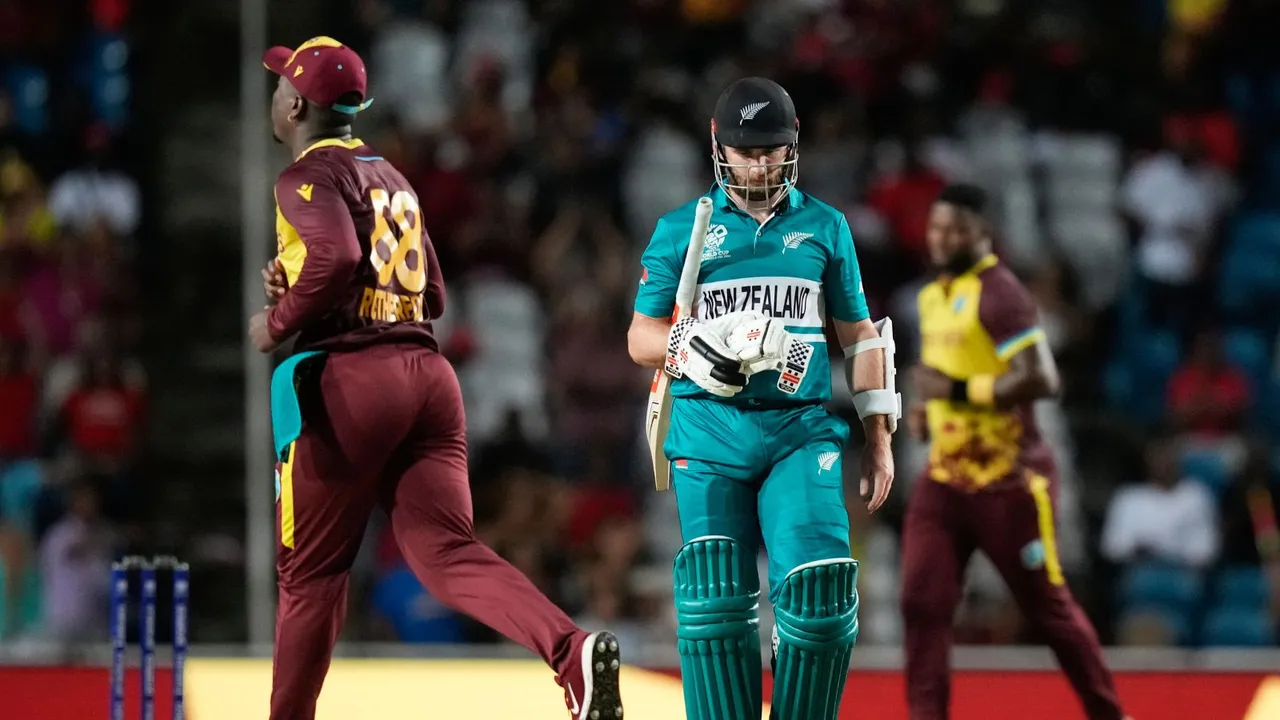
column 989, row 485
column 370, row 412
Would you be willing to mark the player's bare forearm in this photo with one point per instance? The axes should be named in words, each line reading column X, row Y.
column 647, row 340
column 876, row 428
column 866, row 374
column 1032, row 375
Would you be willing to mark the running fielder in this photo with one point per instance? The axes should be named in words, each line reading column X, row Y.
column 367, row 412
column 989, row 483
column 754, row 455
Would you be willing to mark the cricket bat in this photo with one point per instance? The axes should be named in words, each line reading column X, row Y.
column 658, row 415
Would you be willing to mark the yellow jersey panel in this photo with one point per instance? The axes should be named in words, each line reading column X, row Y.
column 972, row 325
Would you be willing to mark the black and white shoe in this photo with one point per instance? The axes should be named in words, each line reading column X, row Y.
column 592, row 691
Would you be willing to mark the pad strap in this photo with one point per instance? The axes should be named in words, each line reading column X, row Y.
column 877, row 402
column 864, row 345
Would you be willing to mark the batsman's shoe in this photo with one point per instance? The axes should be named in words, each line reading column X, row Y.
column 591, row 689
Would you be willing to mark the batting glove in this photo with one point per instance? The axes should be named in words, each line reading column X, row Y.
column 696, row 351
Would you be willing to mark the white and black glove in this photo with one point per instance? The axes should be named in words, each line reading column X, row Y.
column 764, row 344
column 759, row 342
column 696, row 351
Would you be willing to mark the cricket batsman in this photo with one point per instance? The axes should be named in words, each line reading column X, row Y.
column 367, row 412
column 989, row 483
column 754, row 455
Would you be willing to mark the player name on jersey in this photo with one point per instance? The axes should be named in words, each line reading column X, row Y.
column 383, row 306
column 794, row 300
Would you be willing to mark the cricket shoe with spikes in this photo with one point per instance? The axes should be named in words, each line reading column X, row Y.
column 591, row 689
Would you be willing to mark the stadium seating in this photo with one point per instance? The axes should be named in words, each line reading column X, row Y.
column 1266, row 408
column 1137, row 378
column 1257, row 232
column 1239, row 613
column 104, row 74
column 1138, row 625
column 20, row 484
column 28, row 87
column 1162, row 586
column 1241, row 586
column 1249, row 350
column 1243, row 99
column 1269, row 189
column 1249, row 275
column 1117, row 382
column 1237, row 627
column 1229, row 608
column 1208, row 467
column 28, row 615
column 1158, row 353
column 1247, row 282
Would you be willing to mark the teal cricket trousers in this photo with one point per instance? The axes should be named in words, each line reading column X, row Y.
column 761, row 475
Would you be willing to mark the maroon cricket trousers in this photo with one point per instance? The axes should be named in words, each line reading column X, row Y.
column 1014, row 526
column 384, row 425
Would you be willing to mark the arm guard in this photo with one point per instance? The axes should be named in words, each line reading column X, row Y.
column 885, row 401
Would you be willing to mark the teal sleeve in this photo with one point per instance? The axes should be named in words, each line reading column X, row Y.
column 843, row 279
column 659, row 274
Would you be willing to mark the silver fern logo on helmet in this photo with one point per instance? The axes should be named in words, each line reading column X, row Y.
column 755, row 162
column 749, row 112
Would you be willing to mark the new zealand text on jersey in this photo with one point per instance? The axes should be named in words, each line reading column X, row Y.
column 789, row 299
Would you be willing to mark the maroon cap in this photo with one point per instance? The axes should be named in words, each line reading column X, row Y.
column 322, row 70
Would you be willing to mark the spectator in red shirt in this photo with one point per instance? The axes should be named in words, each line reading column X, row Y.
column 102, row 417
column 904, row 199
column 19, row 400
column 1208, row 397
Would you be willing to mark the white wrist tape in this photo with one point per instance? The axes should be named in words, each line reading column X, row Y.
column 884, row 401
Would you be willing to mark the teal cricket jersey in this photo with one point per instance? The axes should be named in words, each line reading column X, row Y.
column 799, row 266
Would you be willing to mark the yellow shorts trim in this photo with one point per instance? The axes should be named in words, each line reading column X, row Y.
column 1039, row 486
column 286, row 496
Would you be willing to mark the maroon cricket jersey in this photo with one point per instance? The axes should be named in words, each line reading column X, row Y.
column 360, row 266
column 974, row 324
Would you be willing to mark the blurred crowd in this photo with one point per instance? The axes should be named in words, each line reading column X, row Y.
column 1131, row 151
column 72, row 390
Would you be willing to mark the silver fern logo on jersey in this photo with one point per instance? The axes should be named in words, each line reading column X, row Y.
column 749, row 112
column 827, row 460
column 792, row 240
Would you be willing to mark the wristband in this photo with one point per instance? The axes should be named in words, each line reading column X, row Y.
column 981, row 390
